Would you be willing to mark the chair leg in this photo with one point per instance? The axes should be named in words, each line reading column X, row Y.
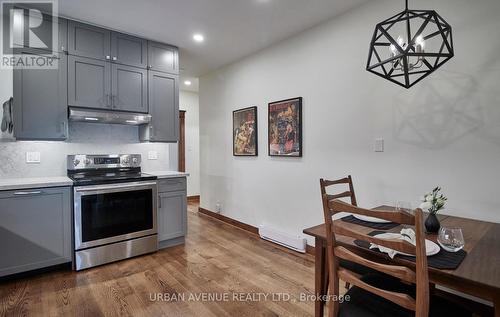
column 347, row 285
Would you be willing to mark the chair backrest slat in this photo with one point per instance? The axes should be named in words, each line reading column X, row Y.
column 398, row 245
column 398, row 271
column 401, row 217
column 401, row 299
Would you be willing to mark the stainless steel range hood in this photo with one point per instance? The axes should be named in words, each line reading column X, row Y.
column 105, row 116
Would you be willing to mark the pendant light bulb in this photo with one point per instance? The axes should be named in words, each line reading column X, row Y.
column 401, row 42
column 419, row 41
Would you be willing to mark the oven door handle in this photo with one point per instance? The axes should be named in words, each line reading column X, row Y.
column 113, row 186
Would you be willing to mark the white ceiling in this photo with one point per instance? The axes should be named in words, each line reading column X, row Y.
column 232, row 28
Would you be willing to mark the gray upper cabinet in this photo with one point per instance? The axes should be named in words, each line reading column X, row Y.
column 89, row 83
column 163, row 57
column 163, row 93
column 89, row 41
column 35, row 230
column 44, row 33
column 129, row 88
column 40, row 101
column 129, row 50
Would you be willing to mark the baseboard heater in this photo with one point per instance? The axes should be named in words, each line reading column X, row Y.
column 295, row 243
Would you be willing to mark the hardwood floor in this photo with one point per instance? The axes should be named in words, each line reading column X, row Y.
column 217, row 260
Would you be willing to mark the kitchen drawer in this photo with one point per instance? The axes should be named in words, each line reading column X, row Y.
column 172, row 184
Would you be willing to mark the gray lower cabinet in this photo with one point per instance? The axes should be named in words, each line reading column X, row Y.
column 129, row 50
column 89, row 83
column 35, row 229
column 129, row 88
column 172, row 211
column 40, row 100
column 163, row 95
column 163, row 57
column 89, row 41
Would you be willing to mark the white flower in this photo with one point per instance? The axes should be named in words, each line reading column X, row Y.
column 429, row 197
column 425, row 205
column 440, row 201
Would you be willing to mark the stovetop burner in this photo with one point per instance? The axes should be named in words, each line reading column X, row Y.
column 105, row 169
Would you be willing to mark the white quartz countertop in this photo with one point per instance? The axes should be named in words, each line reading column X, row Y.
column 167, row 174
column 34, row 182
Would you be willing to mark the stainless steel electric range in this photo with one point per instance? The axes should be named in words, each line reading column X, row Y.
column 115, row 208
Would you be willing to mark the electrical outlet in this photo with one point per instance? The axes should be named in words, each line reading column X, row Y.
column 218, row 207
column 152, row 155
column 33, row 157
column 379, row 145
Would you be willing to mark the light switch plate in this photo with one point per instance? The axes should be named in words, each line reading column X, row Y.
column 33, row 157
column 152, row 155
column 379, row 145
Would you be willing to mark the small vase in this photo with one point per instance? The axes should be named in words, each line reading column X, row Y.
column 432, row 224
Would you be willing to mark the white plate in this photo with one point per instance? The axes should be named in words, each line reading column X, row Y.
column 431, row 248
column 370, row 219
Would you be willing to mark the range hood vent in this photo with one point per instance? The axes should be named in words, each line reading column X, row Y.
column 104, row 116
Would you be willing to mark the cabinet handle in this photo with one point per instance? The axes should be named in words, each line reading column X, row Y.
column 108, row 100
column 108, row 57
column 113, row 101
column 63, row 128
column 114, row 58
column 35, row 192
column 150, row 66
column 159, row 202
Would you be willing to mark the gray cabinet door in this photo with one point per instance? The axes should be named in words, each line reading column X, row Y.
column 35, row 229
column 89, row 41
column 89, row 83
column 163, row 96
column 163, row 57
column 129, row 50
column 129, row 88
column 172, row 215
column 40, row 101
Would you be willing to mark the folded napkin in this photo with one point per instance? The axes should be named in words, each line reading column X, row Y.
column 406, row 234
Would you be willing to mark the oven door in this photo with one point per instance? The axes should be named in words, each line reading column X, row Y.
column 114, row 212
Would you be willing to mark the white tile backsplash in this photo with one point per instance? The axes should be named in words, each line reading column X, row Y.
column 85, row 138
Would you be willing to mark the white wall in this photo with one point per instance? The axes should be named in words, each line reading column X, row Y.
column 445, row 131
column 189, row 101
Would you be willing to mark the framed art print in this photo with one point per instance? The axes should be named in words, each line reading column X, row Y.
column 285, row 128
column 245, row 132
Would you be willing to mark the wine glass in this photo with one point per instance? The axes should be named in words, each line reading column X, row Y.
column 451, row 239
column 403, row 206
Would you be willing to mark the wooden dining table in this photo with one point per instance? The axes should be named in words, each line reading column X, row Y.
column 478, row 275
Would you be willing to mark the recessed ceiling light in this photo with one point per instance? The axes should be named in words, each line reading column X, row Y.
column 187, row 83
column 198, row 37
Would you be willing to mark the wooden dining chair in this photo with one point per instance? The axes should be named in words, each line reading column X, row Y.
column 397, row 290
column 335, row 252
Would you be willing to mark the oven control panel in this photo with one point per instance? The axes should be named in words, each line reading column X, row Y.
column 84, row 161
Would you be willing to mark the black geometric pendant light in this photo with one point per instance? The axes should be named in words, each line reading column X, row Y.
column 409, row 46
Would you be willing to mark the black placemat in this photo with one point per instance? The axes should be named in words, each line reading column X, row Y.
column 444, row 260
column 373, row 225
